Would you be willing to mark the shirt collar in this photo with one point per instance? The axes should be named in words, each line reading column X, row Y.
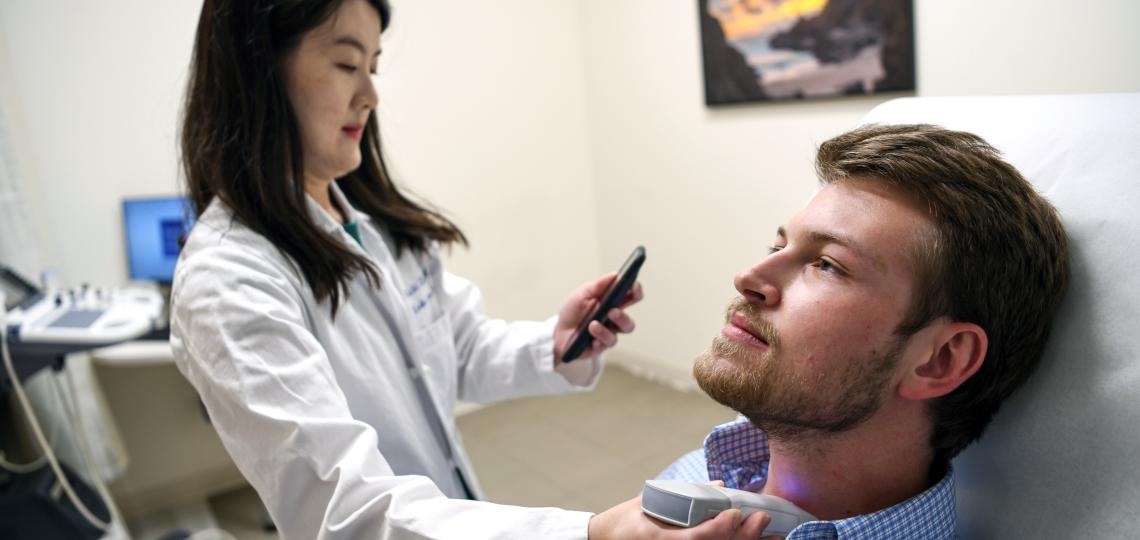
column 929, row 514
column 737, row 453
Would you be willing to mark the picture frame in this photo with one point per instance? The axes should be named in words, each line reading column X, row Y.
column 780, row 50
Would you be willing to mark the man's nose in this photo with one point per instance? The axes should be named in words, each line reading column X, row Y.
column 757, row 284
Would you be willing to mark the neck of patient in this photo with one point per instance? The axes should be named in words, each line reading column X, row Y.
column 874, row 466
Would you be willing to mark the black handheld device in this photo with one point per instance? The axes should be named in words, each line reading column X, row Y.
column 611, row 298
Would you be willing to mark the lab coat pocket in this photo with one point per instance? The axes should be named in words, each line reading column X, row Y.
column 437, row 361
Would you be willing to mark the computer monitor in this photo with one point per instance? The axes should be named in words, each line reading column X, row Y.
column 154, row 228
column 17, row 290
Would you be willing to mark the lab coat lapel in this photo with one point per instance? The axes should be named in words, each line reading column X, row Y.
column 376, row 251
column 394, row 309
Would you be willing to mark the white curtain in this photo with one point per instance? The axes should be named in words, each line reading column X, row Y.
column 18, row 247
column 20, row 251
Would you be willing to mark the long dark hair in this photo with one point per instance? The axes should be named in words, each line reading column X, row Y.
column 241, row 144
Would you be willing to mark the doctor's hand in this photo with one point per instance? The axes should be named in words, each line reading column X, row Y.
column 626, row 520
column 581, row 304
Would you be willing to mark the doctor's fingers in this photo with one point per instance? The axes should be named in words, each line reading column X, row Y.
column 619, row 320
column 591, row 290
column 726, row 524
column 604, row 338
column 635, row 294
column 753, row 526
column 596, row 349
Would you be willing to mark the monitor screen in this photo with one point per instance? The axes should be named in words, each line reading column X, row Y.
column 16, row 289
column 153, row 229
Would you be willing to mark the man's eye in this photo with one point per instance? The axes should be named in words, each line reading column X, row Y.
column 773, row 249
column 347, row 67
column 827, row 266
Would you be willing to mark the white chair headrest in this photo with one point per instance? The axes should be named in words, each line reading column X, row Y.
column 1062, row 458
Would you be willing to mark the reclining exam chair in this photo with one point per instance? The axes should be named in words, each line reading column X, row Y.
column 1062, row 457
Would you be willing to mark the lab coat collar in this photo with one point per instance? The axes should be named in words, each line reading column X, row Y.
column 354, row 215
column 325, row 221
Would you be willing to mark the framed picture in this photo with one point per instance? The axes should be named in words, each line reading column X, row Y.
column 768, row 50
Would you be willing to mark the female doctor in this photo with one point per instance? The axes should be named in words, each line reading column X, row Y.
column 310, row 309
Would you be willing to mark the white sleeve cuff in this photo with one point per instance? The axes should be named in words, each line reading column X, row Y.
column 583, row 373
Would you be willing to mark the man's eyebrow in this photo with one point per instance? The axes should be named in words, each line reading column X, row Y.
column 821, row 237
column 355, row 44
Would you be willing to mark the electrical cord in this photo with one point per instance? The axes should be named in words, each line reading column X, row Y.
column 53, row 439
column 11, row 467
column 4, row 463
column 84, row 446
column 212, row 533
column 38, row 431
column 21, row 467
column 49, row 456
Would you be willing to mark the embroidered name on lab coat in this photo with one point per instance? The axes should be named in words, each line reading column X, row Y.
column 419, row 293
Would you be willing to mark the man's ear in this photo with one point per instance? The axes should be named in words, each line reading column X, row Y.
column 959, row 348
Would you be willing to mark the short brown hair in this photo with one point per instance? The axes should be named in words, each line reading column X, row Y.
column 997, row 256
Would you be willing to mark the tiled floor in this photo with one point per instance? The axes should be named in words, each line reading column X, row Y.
column 585, row 451
column 582, row 452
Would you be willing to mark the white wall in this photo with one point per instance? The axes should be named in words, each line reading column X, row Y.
column 482, row 102
column 980, row 47
column 483, row 111
column 21, row 243
column 704, row 189
column 99, row 84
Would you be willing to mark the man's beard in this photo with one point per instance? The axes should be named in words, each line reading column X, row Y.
column 787, row 404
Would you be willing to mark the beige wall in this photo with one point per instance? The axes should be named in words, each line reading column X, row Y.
column 704, row 189
column 483, row 109
column 558, row 133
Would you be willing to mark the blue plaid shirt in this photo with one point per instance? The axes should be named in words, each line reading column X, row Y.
column 737, row 453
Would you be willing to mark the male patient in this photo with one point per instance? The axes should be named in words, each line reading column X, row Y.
column 878, row 337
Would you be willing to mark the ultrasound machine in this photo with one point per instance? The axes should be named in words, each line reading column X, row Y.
column 40, row 326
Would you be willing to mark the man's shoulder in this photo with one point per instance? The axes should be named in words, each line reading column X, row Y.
column 691, row 467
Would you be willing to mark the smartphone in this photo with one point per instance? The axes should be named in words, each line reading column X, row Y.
column 581, row 339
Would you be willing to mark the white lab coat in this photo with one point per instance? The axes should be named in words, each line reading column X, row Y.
column 324, row 417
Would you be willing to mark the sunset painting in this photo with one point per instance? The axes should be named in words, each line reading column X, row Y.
column 764, row 50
